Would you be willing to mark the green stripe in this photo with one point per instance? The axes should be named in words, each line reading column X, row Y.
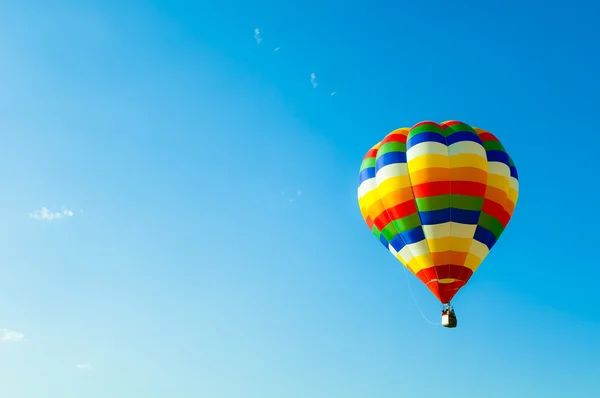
column 389, row 231
column 433, row 203
column 466, row 202
column 391, row 147
column 491, row 224
column 369, row 162
column 463, row 202
column 493, row 146
column 426, row 127
column 459, row 127
column 510, row 161
column 376, row 232
column 407, row 223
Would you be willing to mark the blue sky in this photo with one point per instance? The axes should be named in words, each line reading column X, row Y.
column 215, row 246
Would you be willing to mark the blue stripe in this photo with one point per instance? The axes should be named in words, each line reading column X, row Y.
column 427, row 136
column 449, row 214
column 397, row 243
column 513, row 172
column 435, row 217
column 460, row 136
column 413, row 235
column 484, row 236
column 390, row 158
column 365, row 174
column 383, row 241
column 465, row 216
column 497, row 156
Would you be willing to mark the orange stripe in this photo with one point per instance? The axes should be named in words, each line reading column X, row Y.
column 397, row 197
column 430, row 175
column 495, row 194
column 449, row 257
column 472, row 174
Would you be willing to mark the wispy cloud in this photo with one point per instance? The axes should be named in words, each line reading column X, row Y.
column 333, row 93
column 84, row 366
column 10, row 336
column 277, row 49
column 45, row 214
column 257, row 36
column 313, row 80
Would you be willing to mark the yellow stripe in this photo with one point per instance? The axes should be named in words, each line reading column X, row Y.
column 369, row 198
column 422, row 262
column 472, row 262
column 393, row 184
column 376, row 209
column 449, row 243
column 498, row 181
column 413, row 265
column 427, row 161
column 468, row 160
column 513, row 195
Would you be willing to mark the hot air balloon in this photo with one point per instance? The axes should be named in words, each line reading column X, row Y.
column 438, row 197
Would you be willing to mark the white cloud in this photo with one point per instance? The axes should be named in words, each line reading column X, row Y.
column 333, row 93
column 45, row 214
column 277, row 49
column 257, row 36
column 313, row 80
column 83, row 366
column 11, row 336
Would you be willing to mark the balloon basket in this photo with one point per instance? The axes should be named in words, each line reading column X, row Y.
column 449, row 320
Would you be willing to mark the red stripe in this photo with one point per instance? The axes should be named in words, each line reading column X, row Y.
column 469, row 188
column 421, row 275
column 403, row 209
column 444, row 272
column 382, row 220
column 451, row 123
column 451, row 271
column 485, row 136
column 436, row 188
column 465, row 275
column 428, row 122
column 371, row 154
column 497, row 211
column 433, row 189
column 435, row 289
column 394, row 137
column 447, row 291
column 369, row 222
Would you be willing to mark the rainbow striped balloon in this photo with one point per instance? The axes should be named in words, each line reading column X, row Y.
column 438, row 196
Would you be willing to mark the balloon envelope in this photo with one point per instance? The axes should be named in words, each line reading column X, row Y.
column 438, row 197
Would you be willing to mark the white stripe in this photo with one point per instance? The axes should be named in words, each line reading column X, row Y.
column 447, row 229
column 514, row 183
column 467, row 147
column 498, row 168
column 366, row 186
column 419, row 249
column 392, row 250
column 436, row 231
column 479, row 249
column 463, row 230
column 426, row 148
column 391, row 170
column 406, row 254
